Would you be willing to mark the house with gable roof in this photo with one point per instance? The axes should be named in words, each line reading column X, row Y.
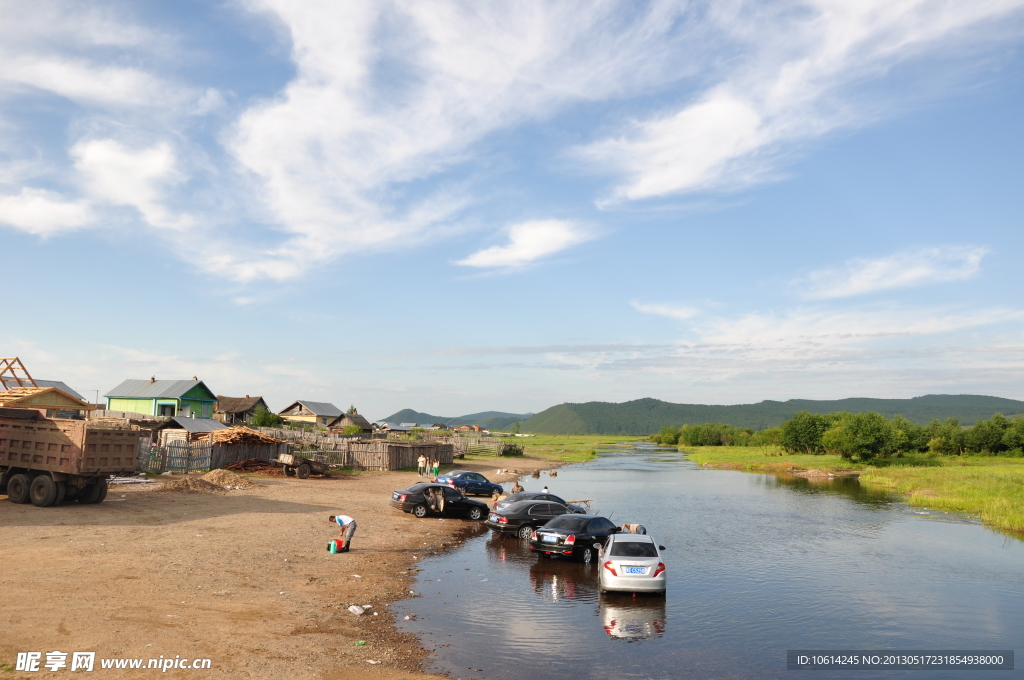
column 319, row 413
column 185, row 398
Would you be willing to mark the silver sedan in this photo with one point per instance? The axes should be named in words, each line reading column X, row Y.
column 632, row 563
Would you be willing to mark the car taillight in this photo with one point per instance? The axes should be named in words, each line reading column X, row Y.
column 608, row 565
column 451, row 482
column 503, row 520
column 402, row 498
column 570, row 539
column 533, row 535
column 661, row 568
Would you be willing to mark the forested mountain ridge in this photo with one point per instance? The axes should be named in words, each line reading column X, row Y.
column 489, row 420
column 647, row 416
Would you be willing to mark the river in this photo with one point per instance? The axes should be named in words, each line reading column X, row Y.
column 757, row 565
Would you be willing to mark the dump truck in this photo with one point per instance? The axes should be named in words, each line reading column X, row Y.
column 46, row 460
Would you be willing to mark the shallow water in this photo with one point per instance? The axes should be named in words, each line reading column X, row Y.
column 758, row 564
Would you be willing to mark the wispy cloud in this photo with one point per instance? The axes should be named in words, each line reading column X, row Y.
column 44, row 213
column 909, row 268
column 528, row 242
column 792, row 78
column 681, row 312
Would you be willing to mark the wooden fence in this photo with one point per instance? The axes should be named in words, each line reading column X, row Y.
column 194, row 456
column 382, row 454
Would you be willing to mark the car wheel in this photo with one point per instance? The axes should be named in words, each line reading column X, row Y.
column 17, row 488
column 587, row 556
column 476, row 513
column 525, row 531
column 420, row 511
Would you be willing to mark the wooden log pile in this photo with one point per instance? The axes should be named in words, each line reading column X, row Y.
column 243, row 435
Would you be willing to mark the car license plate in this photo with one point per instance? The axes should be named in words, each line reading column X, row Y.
column 635, row 570
column 394, row 495
column 494, row 518
column 548, row 538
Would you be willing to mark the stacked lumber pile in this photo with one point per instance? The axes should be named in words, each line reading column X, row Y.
column 251, row 465
column 243, row 435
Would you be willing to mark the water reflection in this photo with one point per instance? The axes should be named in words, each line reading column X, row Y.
column 847, row 487
column 556, row 580
column 633, row 618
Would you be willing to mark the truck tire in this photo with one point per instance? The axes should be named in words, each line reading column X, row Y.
column 61, row 492
column 43, row 491
column 303, row 471
column 17, row 488
column 94, row 493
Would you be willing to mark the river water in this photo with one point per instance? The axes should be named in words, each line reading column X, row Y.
column 757, row 565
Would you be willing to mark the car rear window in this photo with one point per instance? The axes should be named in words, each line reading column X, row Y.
column 633, row 549
column 568, row 523
column 517, row 508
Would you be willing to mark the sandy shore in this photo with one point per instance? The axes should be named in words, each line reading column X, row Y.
column 240, row 577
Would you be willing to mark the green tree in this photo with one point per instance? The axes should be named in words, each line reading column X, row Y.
column 351, row 429
column 1013, row 437
column 261, row 417
column 864, row 435
column 803, row 432
column 351, row 409
column 986, row 436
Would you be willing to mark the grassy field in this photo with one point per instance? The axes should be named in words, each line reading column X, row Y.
column 989, row 487
column 568, row 448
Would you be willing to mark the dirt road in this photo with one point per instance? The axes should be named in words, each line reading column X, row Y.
column 240, row 577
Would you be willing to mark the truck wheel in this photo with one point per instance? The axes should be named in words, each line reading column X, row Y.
column 61, row 492
column 43, row 491
column 289, row 471
column 303, row 471
column 94, row 493
column 17, row 488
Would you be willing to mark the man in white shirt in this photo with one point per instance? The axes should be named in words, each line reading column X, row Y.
column 421, row 465
column 347, row 530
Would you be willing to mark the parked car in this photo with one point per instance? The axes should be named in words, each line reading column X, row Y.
column 470, row 483
column 632, row 563
column 537, row 496
column 455, row 504
column 572, row 535
column 523, row 517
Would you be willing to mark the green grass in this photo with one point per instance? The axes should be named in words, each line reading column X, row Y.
column 568, row 448
column 988, row 487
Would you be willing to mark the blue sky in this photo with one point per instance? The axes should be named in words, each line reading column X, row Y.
column 458, row 207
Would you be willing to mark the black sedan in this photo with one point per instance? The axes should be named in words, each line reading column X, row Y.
column 572, row 536
column 437, row 499
column 470, row 483
column 537, row 496
column 523, row 517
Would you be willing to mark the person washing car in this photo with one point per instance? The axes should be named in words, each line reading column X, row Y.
column 346, row 531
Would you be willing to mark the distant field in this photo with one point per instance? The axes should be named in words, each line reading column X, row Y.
column 989, row 487
column 571, row 448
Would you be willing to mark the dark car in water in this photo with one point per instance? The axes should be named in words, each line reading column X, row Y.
column 437, row 499
column 523, row 517
column 537, row 496
column 470, row 483
column 572, row 536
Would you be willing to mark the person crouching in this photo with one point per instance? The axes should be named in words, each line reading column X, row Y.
column 346, row 531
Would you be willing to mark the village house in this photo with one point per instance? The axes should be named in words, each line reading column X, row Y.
column 319, row 413
column 237, row 410
column 185, row 398
column 350, row 419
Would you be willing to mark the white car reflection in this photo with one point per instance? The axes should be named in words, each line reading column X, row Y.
column 629, row 618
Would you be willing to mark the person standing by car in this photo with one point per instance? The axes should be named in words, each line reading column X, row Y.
column 347, row 530
column 545, row 489
column 437, row 467
column 517, row 487
column 421, row 465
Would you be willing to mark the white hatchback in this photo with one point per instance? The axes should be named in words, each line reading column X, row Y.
column 632, row 563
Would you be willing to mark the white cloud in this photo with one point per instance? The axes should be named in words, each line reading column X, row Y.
column 134, row 177
column 528, row 242
column 680, row 312
column 798, row 61
column 43, row 213
column 911, row 268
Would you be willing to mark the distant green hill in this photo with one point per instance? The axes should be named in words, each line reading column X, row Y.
column 646, row 416
column 489, row 420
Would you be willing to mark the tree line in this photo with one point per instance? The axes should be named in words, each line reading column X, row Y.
column 860, row 435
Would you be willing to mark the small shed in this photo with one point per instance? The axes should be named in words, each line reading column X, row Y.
column 350, row 419
column 188, row 429
column 311, row 412
column 237, row 410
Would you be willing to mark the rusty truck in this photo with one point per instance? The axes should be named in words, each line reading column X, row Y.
column 44, row 461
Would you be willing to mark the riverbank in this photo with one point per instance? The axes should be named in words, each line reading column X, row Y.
column 241, row 577
column 570, row 448
column 988, row 487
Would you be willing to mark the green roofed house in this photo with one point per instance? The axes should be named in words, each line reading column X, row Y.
column 185, row 398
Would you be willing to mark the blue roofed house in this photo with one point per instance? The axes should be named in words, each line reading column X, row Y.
column 185, row 398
